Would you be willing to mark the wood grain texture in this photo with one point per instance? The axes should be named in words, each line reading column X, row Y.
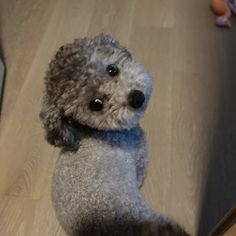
column 190, row 121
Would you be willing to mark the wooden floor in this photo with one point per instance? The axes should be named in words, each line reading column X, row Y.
column 191, row 120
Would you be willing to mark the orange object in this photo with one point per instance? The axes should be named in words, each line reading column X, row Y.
column 223, row 8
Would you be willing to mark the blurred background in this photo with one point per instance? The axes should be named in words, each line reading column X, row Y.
column 190, row 122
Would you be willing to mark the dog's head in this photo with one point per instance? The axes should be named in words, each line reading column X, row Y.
column 94, row 82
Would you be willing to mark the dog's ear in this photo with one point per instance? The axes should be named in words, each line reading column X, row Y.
column 60, row 131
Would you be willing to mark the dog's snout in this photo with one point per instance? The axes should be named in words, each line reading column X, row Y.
column 136, row 99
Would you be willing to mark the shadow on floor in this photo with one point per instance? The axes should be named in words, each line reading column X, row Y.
column 220, row 189
column 2, row 79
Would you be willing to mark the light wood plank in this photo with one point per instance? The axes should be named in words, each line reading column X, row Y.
column 113, row 17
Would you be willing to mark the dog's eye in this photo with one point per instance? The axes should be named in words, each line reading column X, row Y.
column 96, row 105
column 113, row 70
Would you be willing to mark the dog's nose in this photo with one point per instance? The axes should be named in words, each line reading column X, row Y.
column 136, row 99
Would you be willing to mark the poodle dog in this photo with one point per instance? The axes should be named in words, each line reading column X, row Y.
column 95, row 95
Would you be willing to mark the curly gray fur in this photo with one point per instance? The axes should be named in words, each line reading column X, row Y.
column 104, row 157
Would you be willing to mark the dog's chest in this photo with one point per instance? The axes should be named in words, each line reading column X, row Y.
column 102, row 159
column 108, row 151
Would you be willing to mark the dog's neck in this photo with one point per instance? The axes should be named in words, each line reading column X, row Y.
column 115, row 137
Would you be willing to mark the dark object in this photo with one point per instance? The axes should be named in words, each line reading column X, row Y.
column 2, row 81
column 227, row 224
column 96, row 105
column 113, row 70
column 136, row 99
